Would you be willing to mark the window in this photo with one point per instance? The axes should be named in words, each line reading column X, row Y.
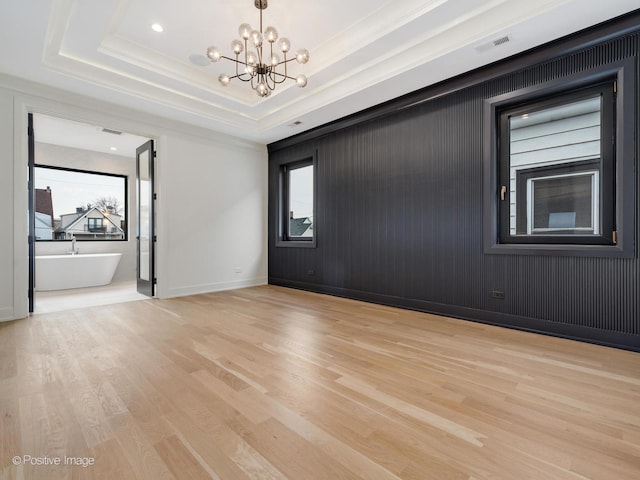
column 557, row 169
column 557, row 200
column 79, row 204
column 297, row 204
column 559, row 166
column 94, row 225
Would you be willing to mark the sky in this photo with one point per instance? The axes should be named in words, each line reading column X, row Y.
column 301, row 191
column 70, row 189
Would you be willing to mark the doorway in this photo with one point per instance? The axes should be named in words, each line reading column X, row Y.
column 78, row 217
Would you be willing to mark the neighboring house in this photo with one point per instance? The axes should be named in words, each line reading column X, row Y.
column 300, row 227
column 44, row 214
column 91, row 224
column 555, row 168
column 44, row 227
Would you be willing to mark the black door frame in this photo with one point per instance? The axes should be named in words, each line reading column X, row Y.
column 32, row 213
column 146, row 286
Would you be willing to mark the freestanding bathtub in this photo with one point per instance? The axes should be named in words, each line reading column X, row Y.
column 60, row 272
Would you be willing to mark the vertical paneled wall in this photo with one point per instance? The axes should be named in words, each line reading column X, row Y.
column 400, row 213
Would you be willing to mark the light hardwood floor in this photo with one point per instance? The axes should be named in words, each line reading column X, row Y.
column 272, row 383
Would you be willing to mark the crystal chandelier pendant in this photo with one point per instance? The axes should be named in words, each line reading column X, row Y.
column 257, row 58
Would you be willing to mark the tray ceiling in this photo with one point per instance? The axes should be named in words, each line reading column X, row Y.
column 363, row 52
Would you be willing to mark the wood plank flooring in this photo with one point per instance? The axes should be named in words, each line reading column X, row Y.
column 272, row 383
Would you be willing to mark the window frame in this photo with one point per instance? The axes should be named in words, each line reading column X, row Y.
column 622, row 178
column 283, row 238
column 125, row 207
column 605, row 89
column 573, row 169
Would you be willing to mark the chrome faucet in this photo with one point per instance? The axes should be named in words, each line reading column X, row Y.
column 74, row 250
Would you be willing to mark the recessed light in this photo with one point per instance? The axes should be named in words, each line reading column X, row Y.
column 113, row 149
column 156, row 27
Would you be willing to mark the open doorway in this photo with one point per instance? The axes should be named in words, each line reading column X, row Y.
column 84, row 207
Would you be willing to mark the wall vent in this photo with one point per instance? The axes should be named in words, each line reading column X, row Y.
column 493, row 43
column 501, row 40
column 113, row 132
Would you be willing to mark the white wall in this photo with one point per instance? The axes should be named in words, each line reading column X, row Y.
column 217, row 204
column 6, row 213
column 56, row 155
column 212, row 196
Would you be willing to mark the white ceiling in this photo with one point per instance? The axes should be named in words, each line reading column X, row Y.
column 96, row 138
column 363, row 52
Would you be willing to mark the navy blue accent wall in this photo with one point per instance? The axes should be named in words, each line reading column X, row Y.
column 400, row 208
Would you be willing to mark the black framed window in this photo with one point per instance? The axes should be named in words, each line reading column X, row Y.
column 80, row 204
column 95, row 225
column 557, row 165
column 297, row 204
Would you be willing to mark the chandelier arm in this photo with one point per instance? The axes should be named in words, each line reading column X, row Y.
column 275, row 74
column 267, row 78
column 259, row 49
column 233, row 60
column 286, row 61
column 284, row 77
column 240, row 77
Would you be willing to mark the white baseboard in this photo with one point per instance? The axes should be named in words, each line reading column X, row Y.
column 215, row 287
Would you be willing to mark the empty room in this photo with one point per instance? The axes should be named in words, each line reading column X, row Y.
column 280, row 239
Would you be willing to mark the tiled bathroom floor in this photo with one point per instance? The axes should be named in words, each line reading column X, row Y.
column 56, row 301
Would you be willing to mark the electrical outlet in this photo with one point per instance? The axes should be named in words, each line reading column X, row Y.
column 310, row 272
column 238, row 270
column 497, row 294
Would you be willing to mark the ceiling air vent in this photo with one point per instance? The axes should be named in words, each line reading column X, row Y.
column 113, row 132
column 493, row 44
column 501, row 40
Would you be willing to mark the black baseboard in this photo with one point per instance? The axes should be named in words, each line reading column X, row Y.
column 624, row 341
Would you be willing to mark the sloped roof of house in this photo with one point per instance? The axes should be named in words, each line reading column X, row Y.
column 298, row 226
column 83, row 214
column 43, row 220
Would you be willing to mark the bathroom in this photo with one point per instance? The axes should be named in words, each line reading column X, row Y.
column 85, row 198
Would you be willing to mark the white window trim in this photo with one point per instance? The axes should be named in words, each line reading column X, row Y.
column 595, row 203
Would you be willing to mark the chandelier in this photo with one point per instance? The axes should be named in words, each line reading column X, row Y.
column 262, row 68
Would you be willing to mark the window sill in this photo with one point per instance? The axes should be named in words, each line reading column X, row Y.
column 296, row 243
column 559, row 250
